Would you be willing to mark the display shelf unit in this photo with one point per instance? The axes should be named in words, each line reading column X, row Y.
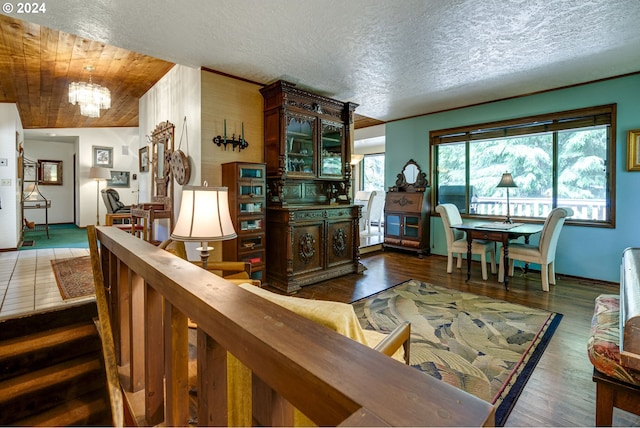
column 247, row 206
column 32, row 198
column 312, row 225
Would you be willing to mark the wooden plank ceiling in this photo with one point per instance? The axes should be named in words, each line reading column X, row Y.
column 37, row 65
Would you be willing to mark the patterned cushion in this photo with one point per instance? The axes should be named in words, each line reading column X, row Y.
column 603, row 348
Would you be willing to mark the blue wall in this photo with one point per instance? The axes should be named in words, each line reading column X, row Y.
column 582, row 251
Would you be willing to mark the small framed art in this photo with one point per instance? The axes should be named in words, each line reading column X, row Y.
column 633, row 150
column 103, row 156
column 143, row 159
column 118, row 179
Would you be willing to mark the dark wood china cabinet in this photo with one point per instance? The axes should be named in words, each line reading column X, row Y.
column 312, row 225
column 407, row 211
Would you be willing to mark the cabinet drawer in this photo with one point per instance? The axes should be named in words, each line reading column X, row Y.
column 489, row 236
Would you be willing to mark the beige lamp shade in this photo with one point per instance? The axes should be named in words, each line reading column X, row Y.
column 204, row 215
column 99, row 173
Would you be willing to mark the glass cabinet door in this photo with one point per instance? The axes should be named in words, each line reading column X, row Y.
column 250, row 172
column 250, row 207
column 251, row 225
column 392, row 224
column 251, row 189
column 411, row 226
column 331, row 149
column 299, row 145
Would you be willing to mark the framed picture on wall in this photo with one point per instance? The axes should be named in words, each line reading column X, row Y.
column 143, row 159
column 118, row 179
column 49, row 172
column 633, row 150
column 103, row 156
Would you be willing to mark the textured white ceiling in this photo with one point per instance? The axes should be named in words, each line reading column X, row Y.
column 396, row 58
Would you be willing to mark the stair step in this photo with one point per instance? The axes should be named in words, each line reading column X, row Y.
column 90, row 409
column 37, row 391
column 23, row 325
column 25, row 354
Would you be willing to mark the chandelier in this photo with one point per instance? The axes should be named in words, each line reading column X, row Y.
column 90, row 96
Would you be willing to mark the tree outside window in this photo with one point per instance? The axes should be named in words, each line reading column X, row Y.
column 563, row 159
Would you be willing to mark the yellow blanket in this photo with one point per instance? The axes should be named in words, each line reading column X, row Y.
column 339, row 317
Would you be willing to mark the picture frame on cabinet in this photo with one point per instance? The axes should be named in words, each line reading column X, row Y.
column 633, row 150
column 103, row 156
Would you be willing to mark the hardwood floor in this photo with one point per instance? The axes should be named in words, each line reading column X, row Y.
column 560, row 391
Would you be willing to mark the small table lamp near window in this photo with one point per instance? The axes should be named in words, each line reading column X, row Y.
column 507, row 182
column 98, row 173
column 204, row 217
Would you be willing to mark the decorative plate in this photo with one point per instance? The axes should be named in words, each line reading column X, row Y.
column 180, row 167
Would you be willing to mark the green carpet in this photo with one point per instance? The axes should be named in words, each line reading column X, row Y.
column 66, row 235
column 481, row 345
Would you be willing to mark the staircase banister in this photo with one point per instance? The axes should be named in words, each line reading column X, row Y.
column 325, row 375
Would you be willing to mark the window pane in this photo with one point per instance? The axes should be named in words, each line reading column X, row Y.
column 582, row 172
column 451, row 175
column 556, row 160
column 373, row 177
column 529, row 159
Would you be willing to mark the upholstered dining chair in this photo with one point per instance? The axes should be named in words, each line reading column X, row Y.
column 543, row 253
column 375, row 211
column 363, row 198
column 457, row 241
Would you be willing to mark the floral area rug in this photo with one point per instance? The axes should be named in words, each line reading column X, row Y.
column 74, row 277
column 481, row 345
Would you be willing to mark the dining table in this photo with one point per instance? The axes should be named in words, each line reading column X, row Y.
column 498, row 232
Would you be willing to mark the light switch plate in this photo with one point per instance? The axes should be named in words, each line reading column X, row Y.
column 5, row 182
column 4, row 162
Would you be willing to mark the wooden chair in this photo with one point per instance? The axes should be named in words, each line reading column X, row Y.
column 457, row 242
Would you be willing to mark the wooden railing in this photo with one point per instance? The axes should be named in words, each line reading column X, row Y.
column 533, row 207
column 254, row 358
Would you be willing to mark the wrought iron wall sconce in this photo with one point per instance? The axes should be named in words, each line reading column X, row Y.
column 223, row 140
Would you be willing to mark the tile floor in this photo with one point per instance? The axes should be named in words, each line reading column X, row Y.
column 27, row 282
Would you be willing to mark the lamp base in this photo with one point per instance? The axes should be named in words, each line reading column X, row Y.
column 508, row 220
column 204, row 254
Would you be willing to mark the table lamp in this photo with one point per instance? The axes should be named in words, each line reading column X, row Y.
column 98, row 173
column 204, row 217
column 507, row 182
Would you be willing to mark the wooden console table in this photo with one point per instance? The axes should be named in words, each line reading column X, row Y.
column 491, row 231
